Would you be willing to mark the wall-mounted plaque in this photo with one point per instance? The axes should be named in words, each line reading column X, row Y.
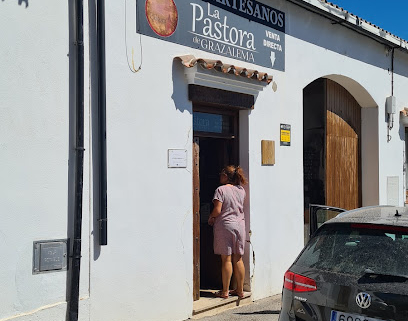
column 177, row 158
column 268, row 152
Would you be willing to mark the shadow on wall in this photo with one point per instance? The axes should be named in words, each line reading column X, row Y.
column 180, row 88
column 20, row 2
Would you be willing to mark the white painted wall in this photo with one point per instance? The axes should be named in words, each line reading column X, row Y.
column 35, row 128
column 147, row 263
column 145, row 272
column 150, row 209
column 363, row 60
column 369, row 156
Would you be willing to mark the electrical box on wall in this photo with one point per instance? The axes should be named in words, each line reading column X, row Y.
column 50, row 256
column 390, row 105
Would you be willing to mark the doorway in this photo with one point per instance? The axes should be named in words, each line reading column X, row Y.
column 331, row 147
column 215, row 145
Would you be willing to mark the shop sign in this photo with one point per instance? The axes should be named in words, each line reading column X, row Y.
column 244, row 30
column 284, row 135
column 253, row 10
column 211, row 123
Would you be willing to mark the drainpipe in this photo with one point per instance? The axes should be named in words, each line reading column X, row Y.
column 392, row 70
column 79, row 163
column 390, row 120
column 103, row 215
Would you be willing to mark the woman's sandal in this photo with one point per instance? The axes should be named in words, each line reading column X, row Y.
column 221, row 294
column 235, row 292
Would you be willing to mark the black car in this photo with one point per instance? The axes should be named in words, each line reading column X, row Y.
column 353, row 268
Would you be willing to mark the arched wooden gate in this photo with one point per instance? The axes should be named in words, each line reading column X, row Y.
column 343, row 137
column 332, row 138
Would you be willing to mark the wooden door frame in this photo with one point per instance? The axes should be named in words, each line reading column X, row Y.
column 196, row 219
column 216, row 101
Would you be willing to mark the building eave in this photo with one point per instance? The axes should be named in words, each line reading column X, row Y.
column 340, row 16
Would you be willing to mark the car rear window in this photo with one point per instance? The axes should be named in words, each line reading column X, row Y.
column 358, row 248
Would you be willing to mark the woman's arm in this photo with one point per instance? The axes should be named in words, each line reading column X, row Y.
column 215, row 212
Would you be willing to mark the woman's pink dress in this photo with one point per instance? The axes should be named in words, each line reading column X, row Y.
column 229, row 226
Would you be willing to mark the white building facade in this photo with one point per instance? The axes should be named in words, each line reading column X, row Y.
column 186, row 93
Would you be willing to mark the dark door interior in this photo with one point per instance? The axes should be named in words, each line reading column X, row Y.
column 215, row 153
column 216, row 140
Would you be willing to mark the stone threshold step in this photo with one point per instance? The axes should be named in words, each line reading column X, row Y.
column 209, row 305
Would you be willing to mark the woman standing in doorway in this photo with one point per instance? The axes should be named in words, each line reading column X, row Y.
column 228, row 221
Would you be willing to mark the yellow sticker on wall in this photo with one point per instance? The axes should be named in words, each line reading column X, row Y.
column 285, row 135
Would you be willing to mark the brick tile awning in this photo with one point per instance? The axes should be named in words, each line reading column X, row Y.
column 190, row 61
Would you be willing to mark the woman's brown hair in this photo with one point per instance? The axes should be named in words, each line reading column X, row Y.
column 235, row 174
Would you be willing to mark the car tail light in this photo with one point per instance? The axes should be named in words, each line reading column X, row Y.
column 298, row 283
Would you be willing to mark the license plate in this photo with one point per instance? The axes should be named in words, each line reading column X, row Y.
column 342, row 316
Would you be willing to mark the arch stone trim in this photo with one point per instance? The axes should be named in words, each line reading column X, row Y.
column 364, row 99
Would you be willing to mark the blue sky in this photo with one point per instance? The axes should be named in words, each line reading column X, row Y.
column 391, row 15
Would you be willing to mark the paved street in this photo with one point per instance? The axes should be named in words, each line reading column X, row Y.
column 262, row 310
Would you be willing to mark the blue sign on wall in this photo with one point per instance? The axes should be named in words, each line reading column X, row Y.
column 245, row 30
column 211, row 123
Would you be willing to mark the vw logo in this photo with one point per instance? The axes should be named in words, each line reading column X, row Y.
column 363, row 300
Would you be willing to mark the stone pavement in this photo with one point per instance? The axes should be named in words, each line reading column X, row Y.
column 262, row 310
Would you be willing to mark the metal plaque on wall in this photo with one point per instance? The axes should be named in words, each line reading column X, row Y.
column 249, row 31
column 50, row 256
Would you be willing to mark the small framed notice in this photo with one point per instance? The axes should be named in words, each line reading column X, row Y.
column 284, row 135
column 177, row 158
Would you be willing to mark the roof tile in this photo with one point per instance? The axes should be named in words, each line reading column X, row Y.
column 190, row 61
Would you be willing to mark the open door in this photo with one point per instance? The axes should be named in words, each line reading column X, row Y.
column 215, row 145
column 343, row 150
column 331, row 152
column 320, row 214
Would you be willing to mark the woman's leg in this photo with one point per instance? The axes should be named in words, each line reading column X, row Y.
column 239, row 272
column 226, row 270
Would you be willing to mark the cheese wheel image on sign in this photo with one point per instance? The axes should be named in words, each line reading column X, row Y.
column 162, row 16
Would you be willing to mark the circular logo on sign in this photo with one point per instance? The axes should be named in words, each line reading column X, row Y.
column 162, row 16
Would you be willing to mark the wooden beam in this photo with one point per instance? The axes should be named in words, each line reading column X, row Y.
column 222, row 98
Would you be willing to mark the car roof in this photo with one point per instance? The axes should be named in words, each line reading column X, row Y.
column 384, row 215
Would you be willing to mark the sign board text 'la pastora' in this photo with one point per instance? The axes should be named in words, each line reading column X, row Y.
column 241, row 29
